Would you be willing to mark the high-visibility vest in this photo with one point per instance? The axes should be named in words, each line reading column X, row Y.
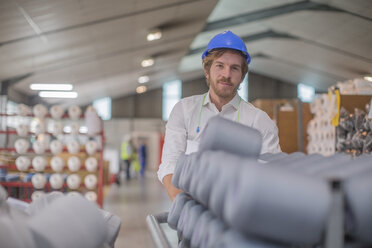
column 125, row 154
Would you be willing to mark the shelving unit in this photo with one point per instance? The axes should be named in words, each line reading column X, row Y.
column 23, row 190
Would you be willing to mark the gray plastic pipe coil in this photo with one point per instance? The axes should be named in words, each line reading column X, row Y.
column 185, row 214
column 201, row 228
column 58, row 224
column 176, row 209
column 229, row 167
column 215, row 230
column 187, row 172
column 189, row 227
column 288, row 159
column 267, row 157
column 268, row 197
column 234, row 239
column 358, row 192
column 232, row 137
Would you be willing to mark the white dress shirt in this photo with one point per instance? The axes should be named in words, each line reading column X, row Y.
column 183, row 123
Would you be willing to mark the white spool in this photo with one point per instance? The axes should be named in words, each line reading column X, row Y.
column 73, row 193
column 21, row 146
column 39, row 111
column 56, row 147
column 56, row 181
column 22, row 130
column 74, row 112
column 91, row 147
column 73, row 147
column 91, row 164
column 56, row 111
column 40, row 128
column 91, row 196
column 74, row 128
column 22, row 163
column 38, row 181
column 23, row 110
column 39, row 147
column 90, row 181
column 39, row 163
column 37, row 194
column 57, row 163
column 73, row 181
column 57, row 128
column 73, row 163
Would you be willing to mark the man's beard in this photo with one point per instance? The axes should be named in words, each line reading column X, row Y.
column 225, row 94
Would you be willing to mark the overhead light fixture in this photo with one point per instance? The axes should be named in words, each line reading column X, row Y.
column 143, row 79
column 154, row 34
column 61, row 87
column 368, row 78
column 58, row 94
column 141, row 89
column 147, row 62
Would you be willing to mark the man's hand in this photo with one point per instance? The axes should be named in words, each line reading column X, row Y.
column 171, row 190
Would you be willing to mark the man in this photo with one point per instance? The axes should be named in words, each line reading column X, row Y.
column 225, row 63
column 126, row 153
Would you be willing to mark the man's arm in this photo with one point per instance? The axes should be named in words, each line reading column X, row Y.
column 171, row 190
column 174, row 145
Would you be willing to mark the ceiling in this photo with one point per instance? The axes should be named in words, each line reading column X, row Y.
column 98, row 44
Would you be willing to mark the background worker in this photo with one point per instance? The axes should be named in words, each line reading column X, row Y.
column 126, row 152
column 225, row 64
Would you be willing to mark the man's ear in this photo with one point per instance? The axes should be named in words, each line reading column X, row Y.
column 206, row 74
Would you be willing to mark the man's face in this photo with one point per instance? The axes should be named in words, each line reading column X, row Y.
column 225, row 75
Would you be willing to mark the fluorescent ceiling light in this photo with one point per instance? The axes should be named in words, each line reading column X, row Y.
column 141, row 89
column 368, row 78
column 154, row 34
column 62, row 87
column 58, row 94
column 143, row 79
column 147, row 62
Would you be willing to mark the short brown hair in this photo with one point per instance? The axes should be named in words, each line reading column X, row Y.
column 216, row 53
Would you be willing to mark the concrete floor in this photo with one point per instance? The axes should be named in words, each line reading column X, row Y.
column 132, row 201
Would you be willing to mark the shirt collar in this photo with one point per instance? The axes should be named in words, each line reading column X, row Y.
column 234, row 102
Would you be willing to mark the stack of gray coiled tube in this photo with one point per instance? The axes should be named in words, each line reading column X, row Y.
column 234, row 197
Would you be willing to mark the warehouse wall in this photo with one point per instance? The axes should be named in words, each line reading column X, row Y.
column 149, row 104
column 260, row 86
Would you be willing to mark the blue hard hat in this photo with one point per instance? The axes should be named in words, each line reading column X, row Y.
column 229, row 40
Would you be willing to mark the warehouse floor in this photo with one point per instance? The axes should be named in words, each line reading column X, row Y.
column 132, row 201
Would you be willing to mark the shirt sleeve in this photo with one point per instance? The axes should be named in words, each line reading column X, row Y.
column 269, row 131
column 174, row 141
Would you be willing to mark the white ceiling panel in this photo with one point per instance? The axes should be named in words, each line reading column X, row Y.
column 98, row 45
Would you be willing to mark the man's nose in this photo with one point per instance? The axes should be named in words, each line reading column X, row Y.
column 226, row 72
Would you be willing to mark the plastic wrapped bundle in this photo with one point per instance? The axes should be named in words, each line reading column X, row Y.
column 367, row 148
column 236, row 138
column 268, row 197
column 359, row 117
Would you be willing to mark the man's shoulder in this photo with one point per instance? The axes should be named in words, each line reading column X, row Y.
column 256, row 112
column 191, row 100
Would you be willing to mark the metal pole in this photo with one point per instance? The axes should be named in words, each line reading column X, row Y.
column 156, row 231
